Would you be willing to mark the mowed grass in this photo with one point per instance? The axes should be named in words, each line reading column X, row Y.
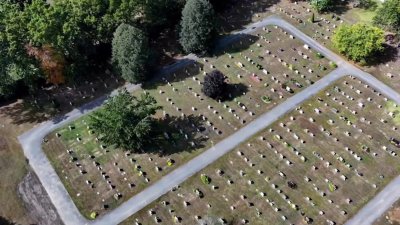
column 355, row 15
column 250, row 184
column 193, row 121
column 363, row 15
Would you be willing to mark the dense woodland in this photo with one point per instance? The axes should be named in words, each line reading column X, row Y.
column 55, row 43
column 42, row 43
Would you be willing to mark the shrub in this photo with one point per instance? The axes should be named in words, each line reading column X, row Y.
column 205, row 179
column 214, row 85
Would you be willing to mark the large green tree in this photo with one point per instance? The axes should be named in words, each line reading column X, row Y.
column 359, row 42
column 131, row 53
column 388, row 16
column 197, row 26
column 322, row 5
column 125, row 121
column 15, row 64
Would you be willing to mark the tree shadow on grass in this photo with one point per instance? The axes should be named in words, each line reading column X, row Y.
column 389, row 54
column 239, row 13
column 178, row 134
column 27, row 112
column 234, row 91
column 173, row 73
column 340, row 7
column 5, row 221
column 233, row 43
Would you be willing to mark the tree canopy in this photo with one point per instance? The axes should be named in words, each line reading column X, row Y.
column 131, row 53
column 321, row 5
column 125, row 121
column 214, row 85
column 15, row 64
column 388, row 15
column 359, row 42
column 66, row 37
column 197, row 26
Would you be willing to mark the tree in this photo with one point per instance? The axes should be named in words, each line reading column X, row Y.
column 214, row 85
column 16, row 67
column 321, row 5
column 388, row 16
column 197, row 26
column 125, row 121
column 368, row 4
column 131, row 53
column 359, row 42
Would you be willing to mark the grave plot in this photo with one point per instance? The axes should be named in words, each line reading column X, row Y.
column 300, row 14
column 385, row 69
column 319, row 164
column 262, row 70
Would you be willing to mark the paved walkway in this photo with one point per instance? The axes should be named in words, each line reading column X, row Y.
column 31, row 141
column 378, row 205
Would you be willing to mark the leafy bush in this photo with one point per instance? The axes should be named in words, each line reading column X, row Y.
column 359, row 42
column 214, row 85
column 205, row 179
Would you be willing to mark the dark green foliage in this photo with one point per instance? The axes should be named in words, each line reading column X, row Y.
column 214, row 85
column 368, row 4
column 388, row 16
column 125, row 121
column 197, row 26
column 131, row 53
column 15, row 64
column 322, row 5
column 205, row 179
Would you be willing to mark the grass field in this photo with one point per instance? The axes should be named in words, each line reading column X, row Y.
column 13, row 168
column 255, row 66
column 347, row 160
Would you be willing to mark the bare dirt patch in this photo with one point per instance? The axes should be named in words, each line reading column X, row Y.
column 37, row 202
column 394, row 215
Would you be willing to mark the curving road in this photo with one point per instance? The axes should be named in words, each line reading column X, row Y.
column 31, row 141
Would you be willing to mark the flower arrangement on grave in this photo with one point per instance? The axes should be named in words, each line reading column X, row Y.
column 93, row 215
column 170, row 162
column 266, row 99
column 319, row 55
column 205, row 179
column 331, row 186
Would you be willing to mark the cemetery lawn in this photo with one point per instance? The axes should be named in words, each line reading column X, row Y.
column 343, row 134
column 386, row 65
column 269, row 63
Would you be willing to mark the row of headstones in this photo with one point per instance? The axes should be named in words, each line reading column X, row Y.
column 274, row 186
column 281, row 156
column 341, row 159
column 347, row 133
column 364, row 120
column 369, row 99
